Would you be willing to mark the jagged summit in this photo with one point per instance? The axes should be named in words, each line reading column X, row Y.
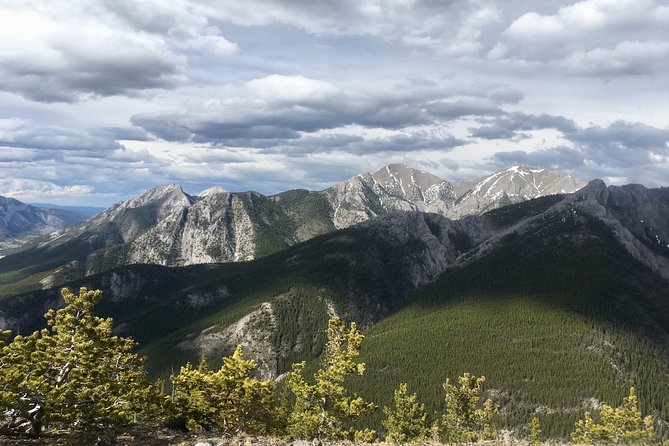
column 403, row 174
column 514, row 184
column 215, row 190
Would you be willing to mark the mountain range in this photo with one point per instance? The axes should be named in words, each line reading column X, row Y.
column 20, row 221
column 166, row 226
column 556, row 290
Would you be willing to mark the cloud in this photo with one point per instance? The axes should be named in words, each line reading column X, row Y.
column 562, row 158
column 67, row 51
column 452, row 26
column 622, row 144
column 590, row 38
column 264, row 111
column 625, row 59
column 406, row 142
column 589, row 17
column 614, row 148
column 24, row 134
column 507, row 125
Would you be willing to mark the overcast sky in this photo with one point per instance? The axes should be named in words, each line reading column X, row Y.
column 102, row 99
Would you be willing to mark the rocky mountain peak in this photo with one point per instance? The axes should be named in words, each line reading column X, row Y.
column 402, row 174
column 172, row 192
column 215, row 190
column 514, row 184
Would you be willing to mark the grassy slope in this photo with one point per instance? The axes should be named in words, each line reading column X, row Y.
column 551, row 326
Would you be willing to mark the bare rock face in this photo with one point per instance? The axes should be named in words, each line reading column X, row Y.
column 395, row 187
column 637, row 217
column 216, row 227
column 253, row 332
column 513, row 185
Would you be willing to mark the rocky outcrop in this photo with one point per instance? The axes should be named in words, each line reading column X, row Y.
column 637, row 217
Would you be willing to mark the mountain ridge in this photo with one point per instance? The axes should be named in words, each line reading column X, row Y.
column 166, row 226
column 20, row 222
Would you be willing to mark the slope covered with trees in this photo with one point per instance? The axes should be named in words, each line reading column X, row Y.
column 552, row 308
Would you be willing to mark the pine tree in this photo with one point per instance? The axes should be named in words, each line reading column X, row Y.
column 228, row 400
column 75, row 373
column 465, row 419
column 535, row 432
column 326, row 410
column 623, row 425
column 405, row 421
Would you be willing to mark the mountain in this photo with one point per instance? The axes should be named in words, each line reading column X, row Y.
column 561, row 301
column 20, row 221
column 398, row 187
column 84, row 211
column 513, row 185
column 166, row 226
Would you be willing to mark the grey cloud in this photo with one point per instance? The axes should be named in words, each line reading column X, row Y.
column 99, row 72
column 619, row 146
column 622, row 143
column 507, row 125
column 58, row 138
column 404, row 143
column 622, row 133
column 261, row 123
column 103, row 48
column 494, row 131
column 629, row 58
column 124, row 133
column 418, row 21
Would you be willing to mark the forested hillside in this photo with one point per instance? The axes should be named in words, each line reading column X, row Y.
column 555, row 301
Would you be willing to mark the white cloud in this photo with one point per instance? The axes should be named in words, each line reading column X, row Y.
column 290, row 88
column 35, row 190
column 581, row 27
column 588, row 16
column 626, row 58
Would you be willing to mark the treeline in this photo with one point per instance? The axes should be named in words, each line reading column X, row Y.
column 76, row 375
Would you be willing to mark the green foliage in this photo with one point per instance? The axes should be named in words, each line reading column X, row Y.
column 75, row 373
column 621, row 425
column 553, row 324
column 326, row 409
column 465, row 418
column 406, row 421
column 534, row 437
column 229, row 400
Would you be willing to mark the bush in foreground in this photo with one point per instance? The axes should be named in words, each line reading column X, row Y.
column 74, row 373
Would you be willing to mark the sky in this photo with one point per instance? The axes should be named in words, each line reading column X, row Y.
column 103, row 99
